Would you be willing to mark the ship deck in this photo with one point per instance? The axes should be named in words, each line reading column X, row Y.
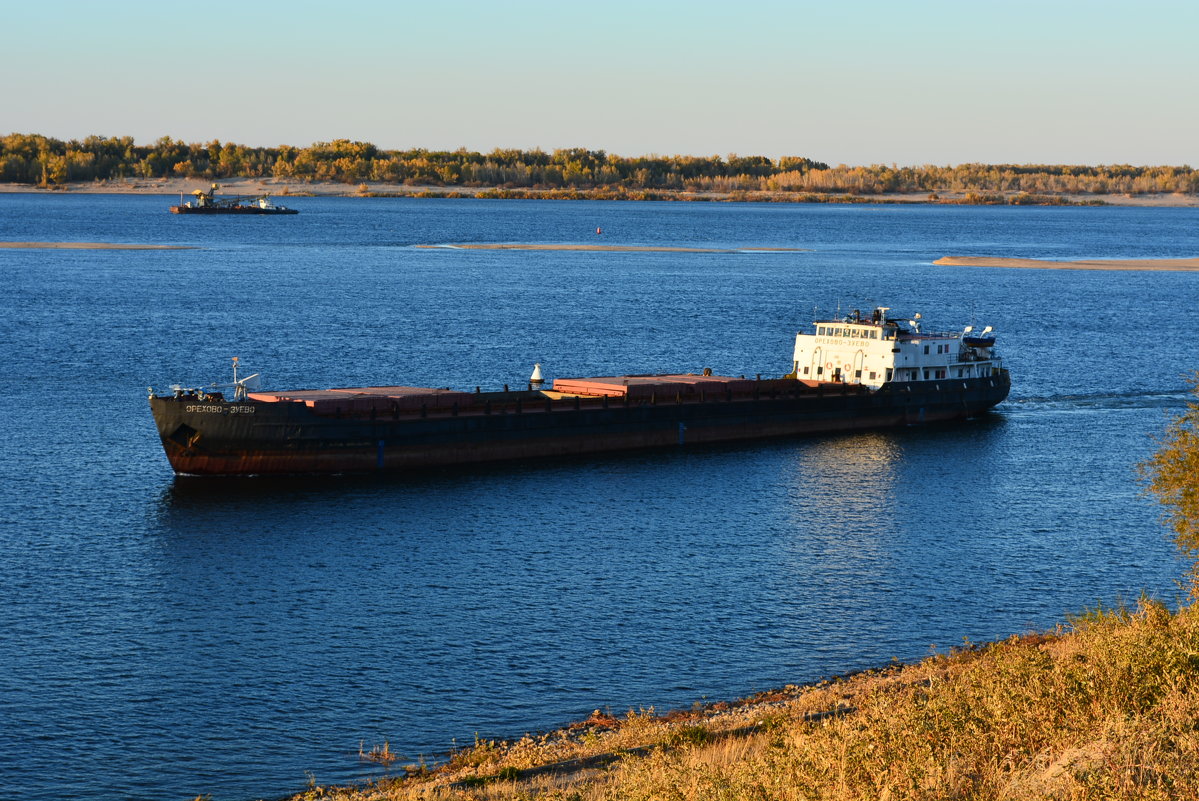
column 576, row 392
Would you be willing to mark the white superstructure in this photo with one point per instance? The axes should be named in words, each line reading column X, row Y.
column 874, row 350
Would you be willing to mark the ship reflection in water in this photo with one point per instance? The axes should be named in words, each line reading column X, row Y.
column 848, row 480
column 891, row 533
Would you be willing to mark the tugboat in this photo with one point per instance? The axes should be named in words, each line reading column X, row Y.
column 207, row 203
column 851, row 373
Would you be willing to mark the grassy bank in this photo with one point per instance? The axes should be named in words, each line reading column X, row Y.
column 1105, row 708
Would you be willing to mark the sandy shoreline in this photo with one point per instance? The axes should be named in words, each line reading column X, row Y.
column 93, row 246
column 282, row 188
column 1175, row 265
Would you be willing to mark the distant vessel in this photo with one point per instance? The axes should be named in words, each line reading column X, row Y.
column 207, row 203
column 851, row 373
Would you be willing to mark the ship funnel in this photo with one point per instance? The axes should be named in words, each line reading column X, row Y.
column 535, row 380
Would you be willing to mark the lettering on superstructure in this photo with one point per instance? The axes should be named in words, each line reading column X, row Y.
column 839, row 342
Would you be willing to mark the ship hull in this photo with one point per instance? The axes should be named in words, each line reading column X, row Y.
column 229, row 210
column 216, row 437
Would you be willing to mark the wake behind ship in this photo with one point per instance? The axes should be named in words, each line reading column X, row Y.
column 854, row 373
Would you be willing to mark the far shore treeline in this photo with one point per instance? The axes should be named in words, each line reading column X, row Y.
column 41, row 160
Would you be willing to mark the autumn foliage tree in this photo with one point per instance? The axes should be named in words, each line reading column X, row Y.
column 1172, row 475
column 31, row 158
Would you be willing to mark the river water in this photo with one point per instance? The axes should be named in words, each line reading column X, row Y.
column 166, row 637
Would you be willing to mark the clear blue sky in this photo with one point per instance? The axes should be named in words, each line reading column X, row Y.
column 915, row 82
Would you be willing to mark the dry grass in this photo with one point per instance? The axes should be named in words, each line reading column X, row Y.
column 1107, row 708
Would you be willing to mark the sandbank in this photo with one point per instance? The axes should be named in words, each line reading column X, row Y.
column 293, row 187
column 93, row 246
column 610, row 248
column 1179, row 265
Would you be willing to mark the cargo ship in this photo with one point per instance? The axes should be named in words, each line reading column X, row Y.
column 849, row 373
column 208, row 203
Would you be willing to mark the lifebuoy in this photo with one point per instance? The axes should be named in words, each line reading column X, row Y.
column 828, row 366
column 847, row 368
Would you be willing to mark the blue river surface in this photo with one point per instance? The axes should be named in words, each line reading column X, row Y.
column 165, row 637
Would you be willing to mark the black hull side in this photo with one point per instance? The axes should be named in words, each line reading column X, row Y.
column 232, row 210
column 229, row 438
